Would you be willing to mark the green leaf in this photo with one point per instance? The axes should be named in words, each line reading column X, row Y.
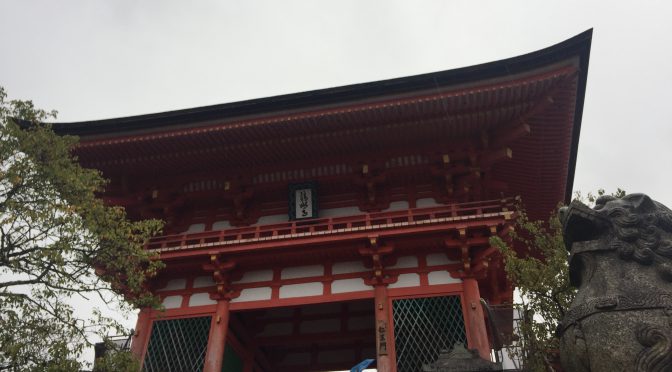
column 55, row 234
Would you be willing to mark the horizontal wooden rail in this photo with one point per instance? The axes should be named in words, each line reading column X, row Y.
column 322, row 226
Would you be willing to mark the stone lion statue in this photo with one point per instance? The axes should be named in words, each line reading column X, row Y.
column 621, row 262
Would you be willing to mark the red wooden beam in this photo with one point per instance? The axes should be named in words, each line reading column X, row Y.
column 274, row 245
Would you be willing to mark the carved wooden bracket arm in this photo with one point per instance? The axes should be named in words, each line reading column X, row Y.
column 221, row 274
column 375, row 251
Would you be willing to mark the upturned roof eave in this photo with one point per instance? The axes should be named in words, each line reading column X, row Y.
column 578, row 45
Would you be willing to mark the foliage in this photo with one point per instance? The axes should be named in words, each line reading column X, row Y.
column 115, row 359
column 55, row 236
column 536, row 263
column 538, row 268
column 591, row 198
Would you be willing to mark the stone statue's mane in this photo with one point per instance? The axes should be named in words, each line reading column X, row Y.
column 621, row 259
column 643, row 237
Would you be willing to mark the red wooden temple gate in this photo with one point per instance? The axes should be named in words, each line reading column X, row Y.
column 310, row 231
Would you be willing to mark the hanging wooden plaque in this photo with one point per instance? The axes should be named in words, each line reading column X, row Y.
column 302, row 201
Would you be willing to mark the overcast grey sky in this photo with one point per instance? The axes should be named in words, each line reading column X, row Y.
column 94, row 59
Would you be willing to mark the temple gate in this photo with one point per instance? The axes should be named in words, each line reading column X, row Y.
column 311, row 231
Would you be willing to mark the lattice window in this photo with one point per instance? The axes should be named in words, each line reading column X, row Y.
column 178, row 345
column 425, row 326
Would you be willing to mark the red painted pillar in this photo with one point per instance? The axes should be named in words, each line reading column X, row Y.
column 141, row 335
column 475, row 320
column 383, row 344
column 214, row 354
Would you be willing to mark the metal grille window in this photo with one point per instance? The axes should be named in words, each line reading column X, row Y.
column 425, row 326
column 178, row 345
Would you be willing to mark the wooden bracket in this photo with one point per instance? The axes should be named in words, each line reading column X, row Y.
column 221, row 273
column 464, row 250
column 376, row 251
column 370, row 180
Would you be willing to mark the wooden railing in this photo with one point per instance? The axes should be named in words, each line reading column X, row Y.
column 321, row 226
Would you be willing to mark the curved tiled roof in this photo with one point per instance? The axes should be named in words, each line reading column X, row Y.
column 543, row 90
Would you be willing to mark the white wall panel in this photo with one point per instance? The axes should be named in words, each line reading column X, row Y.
column 201, row 299
column 195, row 228
column 406, row 280
column 301, row 290
column 339, row 212
column 348, row 267
column 204, row 281
column 256, row 276
column 254, row 294
column 405, row 262
column 441, row 277
column 174, row 284
column 221, row 225
column 426, row 203
column 172, row 302
column 268, row 220
column 302, row 271
column 397, row 206
column 436, row 259
column 349, row 285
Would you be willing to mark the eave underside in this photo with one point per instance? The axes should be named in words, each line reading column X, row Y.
column 474, row 119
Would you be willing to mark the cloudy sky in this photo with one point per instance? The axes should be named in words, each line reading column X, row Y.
column 95, row 59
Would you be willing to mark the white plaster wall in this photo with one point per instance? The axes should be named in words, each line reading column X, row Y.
column 406, row 280
column 269, row 220
column 203, row 281
column 201, row 299
column 339, row 212
column 174, row 284
column 254, row 294
column 302, row 271
column 436, row 259
column 301, row 290
column 195, row 228
column 397, row 206
column 348, row 267
column 349, row 285
column 221, row 225
column 441, row 277
column 256, row 276
column 426, row 203
column 172, row 302
column 405, row 262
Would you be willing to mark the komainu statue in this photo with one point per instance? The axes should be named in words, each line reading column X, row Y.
column 621, row 262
